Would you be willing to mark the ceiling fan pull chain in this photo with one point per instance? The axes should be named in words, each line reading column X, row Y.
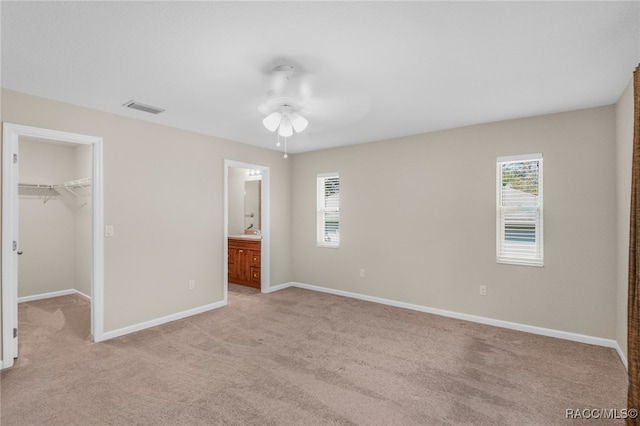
column 285, row 149
column 278, row 144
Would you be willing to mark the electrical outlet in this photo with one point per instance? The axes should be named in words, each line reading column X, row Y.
column 483, row 290
column 361, row 273
column 192, row 284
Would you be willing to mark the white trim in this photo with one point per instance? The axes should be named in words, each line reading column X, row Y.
column 518, row 158
column 97, row 289
column 162, row 320
column 279, row 287
column 575, row 337
column 49, row 295
column 328, row 175
column 622, row 355
column 11, row 135
column 81, row 294
column 52, row 294
column 519, row 262
column 9, row 261
column 265, row 214
column 328, row 245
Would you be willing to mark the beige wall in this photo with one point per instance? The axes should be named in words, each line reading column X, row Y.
column 418, row 214
column 624, row 151
column 164, row 197
column 430, row 241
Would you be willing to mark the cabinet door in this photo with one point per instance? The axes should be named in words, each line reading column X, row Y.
column 237, row 266
column 243, row 266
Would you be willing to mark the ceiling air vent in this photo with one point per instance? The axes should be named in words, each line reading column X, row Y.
column 143, row 107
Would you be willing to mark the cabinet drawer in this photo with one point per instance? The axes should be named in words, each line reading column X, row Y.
column 244, row 244
column 255, row 275
column 255, row 259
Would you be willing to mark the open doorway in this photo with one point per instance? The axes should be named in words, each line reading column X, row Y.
column 246, row 245
column 54, row 215
column 52, row 218
column 245, row 227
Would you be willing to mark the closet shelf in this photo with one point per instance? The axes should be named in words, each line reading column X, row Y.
column 81, row 184
column 79, row 188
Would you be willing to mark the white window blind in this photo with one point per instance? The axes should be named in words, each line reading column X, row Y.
column 519, row 210
column 328, row 225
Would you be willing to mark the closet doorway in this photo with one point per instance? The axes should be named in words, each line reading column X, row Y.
column 54, row 216
column 247, row 226
column 52, row 211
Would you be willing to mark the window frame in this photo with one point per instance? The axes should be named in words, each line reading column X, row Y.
column 537, row 259
column 322, row 210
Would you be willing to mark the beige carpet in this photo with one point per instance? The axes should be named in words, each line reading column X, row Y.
column 297, row 357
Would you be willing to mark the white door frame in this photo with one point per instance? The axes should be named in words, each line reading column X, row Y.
column 10, row 137
column 265, row 215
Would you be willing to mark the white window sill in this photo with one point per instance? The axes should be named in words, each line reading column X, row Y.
column 521, row 262
column 327, row 245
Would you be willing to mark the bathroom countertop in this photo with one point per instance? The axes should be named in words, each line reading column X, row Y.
column 246, row 237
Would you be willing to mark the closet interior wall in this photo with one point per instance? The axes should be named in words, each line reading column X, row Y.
column 54, row 224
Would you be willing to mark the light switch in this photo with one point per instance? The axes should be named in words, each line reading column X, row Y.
column 108, row 231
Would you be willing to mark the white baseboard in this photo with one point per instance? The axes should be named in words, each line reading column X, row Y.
column 49, row 295
column 159, row 321
column 622, row 355
column 582, row 338
column 279, row 287
column 81, row 294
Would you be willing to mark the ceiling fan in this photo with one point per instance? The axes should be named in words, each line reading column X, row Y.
column 297, row 98
column 283, row 110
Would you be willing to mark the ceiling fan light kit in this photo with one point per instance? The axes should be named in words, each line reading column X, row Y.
column 299, row 122
column 285, row 120
column 272, row 121
column 283, row 112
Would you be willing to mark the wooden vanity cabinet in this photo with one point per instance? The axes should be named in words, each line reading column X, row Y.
column 244, row 262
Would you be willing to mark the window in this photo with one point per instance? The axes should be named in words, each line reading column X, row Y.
column 328, row 228
column 519, row 210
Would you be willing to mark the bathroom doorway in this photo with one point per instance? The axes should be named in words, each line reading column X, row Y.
column 247, row 230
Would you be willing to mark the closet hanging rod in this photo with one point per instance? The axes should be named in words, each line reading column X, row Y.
column 36, row 185
column 78, row 183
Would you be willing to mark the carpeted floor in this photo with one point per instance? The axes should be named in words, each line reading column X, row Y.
column 297, row 357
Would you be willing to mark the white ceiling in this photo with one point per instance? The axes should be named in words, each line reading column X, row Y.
column 372, row 70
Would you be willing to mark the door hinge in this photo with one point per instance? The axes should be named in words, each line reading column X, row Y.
column 15, row 158
column 15, row 245
column 15, row 333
